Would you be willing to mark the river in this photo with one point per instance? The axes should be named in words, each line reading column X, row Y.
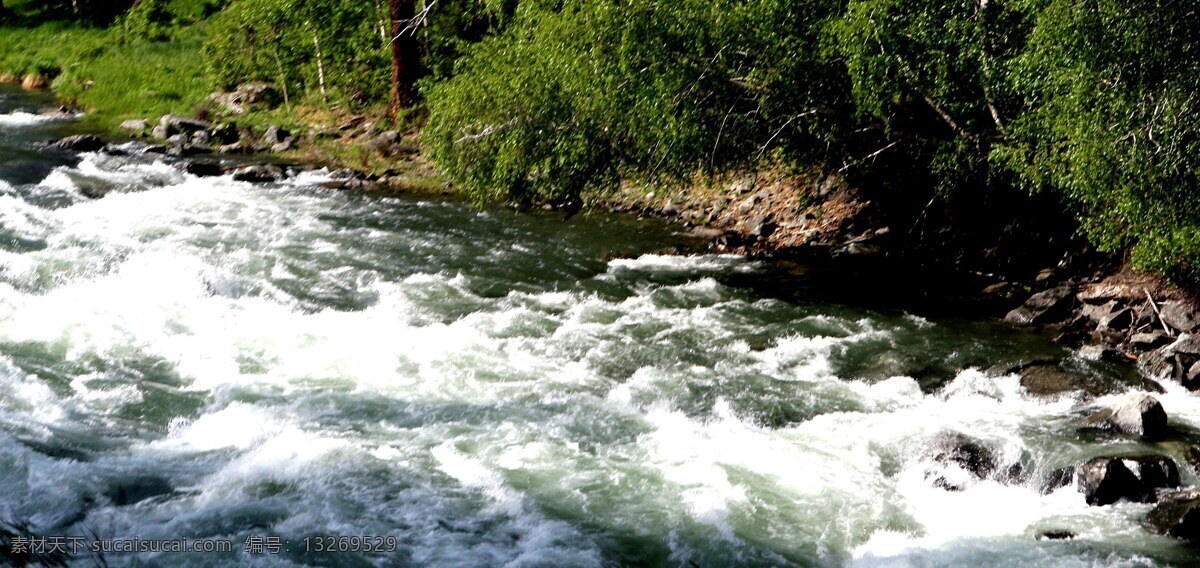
column 202, row 358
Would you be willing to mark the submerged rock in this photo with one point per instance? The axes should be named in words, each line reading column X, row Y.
column 1052, row 380
column 1042, row 307
column 1138, row 414
column 1056, row 535
column 80, row 143
column 1177, row 514
column 1105, row 480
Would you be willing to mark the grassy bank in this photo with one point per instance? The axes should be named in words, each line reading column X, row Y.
column 113, row 77
column 115, row 74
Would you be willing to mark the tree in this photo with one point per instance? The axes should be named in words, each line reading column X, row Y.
column 404, row 54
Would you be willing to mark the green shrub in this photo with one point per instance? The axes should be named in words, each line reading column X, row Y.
column 147, row 20
column 1113, row 122
column 277, row 41
column 576, row 97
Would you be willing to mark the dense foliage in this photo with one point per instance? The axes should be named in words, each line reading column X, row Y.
column 295, row 42
column 1112, row 121
column 1093, row 100
column 543, row 100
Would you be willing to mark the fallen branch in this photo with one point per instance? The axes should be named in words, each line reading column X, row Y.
column 1157, row 313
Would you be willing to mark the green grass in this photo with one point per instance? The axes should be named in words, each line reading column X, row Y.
column 112, row 80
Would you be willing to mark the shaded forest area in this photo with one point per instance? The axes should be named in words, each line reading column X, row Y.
column 940, row 108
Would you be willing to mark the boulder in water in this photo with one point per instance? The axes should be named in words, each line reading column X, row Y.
column 1137, row 414
column 262, row 173
column 203, row 169
column 1050, row 380
column 80, row 143
column 963, row 453
column 1177, row 514
column 1106, row 480
column 1058, row 479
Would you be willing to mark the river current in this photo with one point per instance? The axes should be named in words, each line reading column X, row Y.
column 202, row 358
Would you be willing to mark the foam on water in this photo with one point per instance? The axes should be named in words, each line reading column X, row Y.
column 22, row 118
column 203, row 357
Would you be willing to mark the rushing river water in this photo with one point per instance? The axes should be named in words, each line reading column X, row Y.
column 209, row 359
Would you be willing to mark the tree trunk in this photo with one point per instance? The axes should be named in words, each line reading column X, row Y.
column 320, row 67
column 404, row 55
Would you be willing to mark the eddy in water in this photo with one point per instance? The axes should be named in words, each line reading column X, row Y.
column 208, row 372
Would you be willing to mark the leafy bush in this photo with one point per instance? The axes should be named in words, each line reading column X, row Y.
column 147, row 20
column 578, row 96
column 1093, row 101
column 1113, row 122
column 277, row 41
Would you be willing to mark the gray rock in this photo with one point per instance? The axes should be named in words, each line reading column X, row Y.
column 1042, row 307
column 135, row 126
column 201, row 138
column 259, row 174
column 1097, row 313
column 386, row 139
column 80, row 143
column 1179, row 315
column 1137, row 414
column 1177, row 514
column 1174, row 362
column 283, row 146
column 1146, row 341
column 240, row 100
column 235, row 148
column 1119, row 319
column 275, row 135
column 160, row 132
column 180, row 125
column 1186, row 344
column 1106, row 480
